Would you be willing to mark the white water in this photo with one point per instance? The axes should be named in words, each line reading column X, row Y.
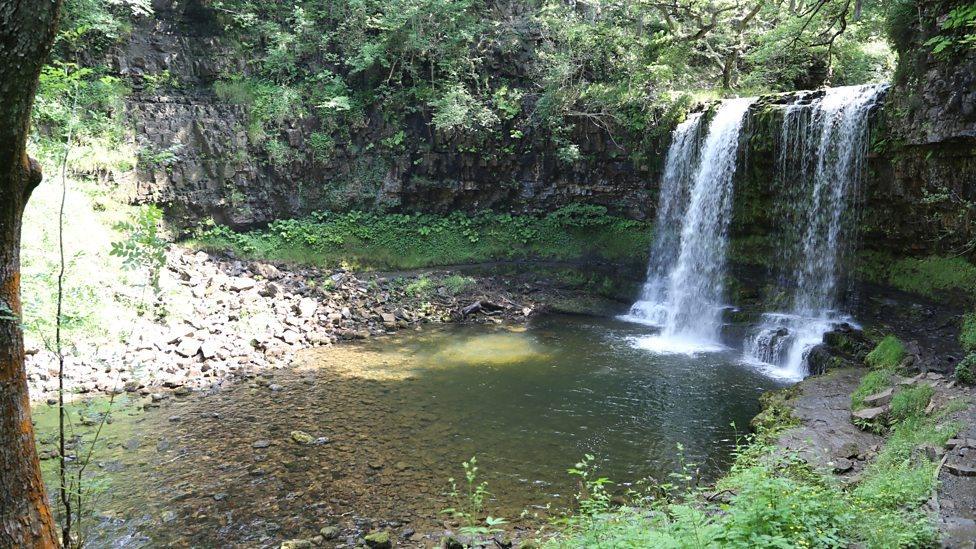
column 689, row 301
column 650, row 307
column 823, row 145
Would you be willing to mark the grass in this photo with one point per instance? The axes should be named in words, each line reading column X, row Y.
column 871, row 383
column 888, row 354
column 408, row 241
column 910, row 401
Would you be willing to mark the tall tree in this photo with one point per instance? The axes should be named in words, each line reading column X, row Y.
column 27, row 29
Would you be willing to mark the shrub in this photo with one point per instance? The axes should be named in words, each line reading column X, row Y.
column 888, row 354
column 967, row 336
column 966, row 370
column 456, row 284
column 420, row 287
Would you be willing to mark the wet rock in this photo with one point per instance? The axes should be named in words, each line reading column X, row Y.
column 842, row 465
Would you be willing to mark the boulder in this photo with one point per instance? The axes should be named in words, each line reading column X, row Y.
column 188, row 347
column 878, row 399
column 307, row 307
column 870, row 414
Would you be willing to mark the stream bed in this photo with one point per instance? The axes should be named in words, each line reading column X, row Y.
column 391, row 419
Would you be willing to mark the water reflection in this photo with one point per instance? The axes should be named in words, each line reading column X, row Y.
column 401, row 413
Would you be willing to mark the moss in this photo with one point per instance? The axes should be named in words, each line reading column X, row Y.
column 932, row 276
column 397, row 241
column 888, row 354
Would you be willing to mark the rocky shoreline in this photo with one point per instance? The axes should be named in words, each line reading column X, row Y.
column 231, row 318
column 826, row 435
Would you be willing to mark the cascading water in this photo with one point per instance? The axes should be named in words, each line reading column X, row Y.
column 823, row 145
column 691, row 296
column 650, row 307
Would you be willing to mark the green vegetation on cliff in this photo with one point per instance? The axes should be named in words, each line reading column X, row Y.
column 888, row 354
column 407, row 241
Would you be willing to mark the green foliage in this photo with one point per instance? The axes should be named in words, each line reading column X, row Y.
column 154, row 83
column 888, row 354
column 910, row 401
column 778, row 500
column 469, row 504
column 143, row 246
column 420, row 287
column 776, row 414
column 405, row 241
column 784, row 505
column 957, row 32
column 966, row 370
column 872, row 383
column 455, row 284
column 967, row 334
column 927, row 276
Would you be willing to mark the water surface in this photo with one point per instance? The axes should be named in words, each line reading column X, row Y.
column 396, row 416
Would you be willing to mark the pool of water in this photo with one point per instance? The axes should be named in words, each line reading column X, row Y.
column 396, row 416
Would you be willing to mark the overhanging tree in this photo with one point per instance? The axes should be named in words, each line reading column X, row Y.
column 27, row 30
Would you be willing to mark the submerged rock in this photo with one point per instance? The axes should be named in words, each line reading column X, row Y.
column 378, row 540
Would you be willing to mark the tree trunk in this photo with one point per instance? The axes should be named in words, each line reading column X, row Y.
column 27, row 30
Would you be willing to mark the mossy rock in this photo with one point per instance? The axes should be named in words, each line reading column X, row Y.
column 378, row 540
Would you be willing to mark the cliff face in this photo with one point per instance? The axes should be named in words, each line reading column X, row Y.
column 198, row 159
column 921, row 187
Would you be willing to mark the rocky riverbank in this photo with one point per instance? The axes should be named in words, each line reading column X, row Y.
column 827, row 434
column 228, row 318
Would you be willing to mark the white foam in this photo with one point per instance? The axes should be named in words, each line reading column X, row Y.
column 676, row 345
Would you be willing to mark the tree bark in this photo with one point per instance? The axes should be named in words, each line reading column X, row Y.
column 27, row 30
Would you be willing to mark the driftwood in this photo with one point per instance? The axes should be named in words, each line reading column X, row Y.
column 482, row 307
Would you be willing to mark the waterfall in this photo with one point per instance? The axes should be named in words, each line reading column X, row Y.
column 823, row 144
column 689, row 300
column 672, row 202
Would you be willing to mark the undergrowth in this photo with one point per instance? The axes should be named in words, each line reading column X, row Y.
column 776, row 499
column 407, row 241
